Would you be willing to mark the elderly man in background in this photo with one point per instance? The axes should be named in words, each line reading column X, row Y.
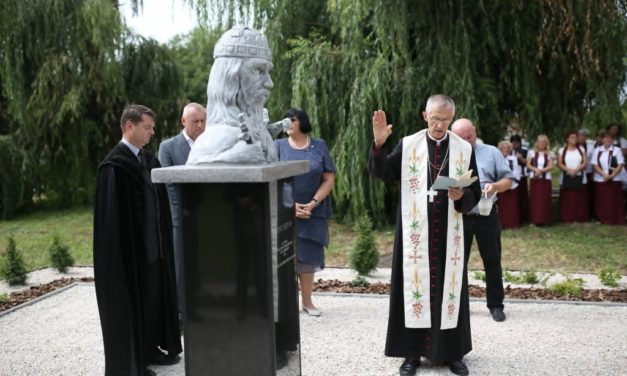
column 495, row 176
column 174, row 152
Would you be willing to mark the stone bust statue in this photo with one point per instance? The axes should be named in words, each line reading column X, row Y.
column 239, row 86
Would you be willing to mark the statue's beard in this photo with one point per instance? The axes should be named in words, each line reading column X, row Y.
column 252, row 108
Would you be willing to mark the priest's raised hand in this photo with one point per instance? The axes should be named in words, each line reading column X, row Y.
column 380, row 128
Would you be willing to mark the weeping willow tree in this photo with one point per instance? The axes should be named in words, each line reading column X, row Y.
column 539, row 67
column 194, row 54
column 67, row 68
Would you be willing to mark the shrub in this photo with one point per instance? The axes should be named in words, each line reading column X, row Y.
column 12, row 265
column 364, row 256
column 530, row 277
column 360, row 281
column 569, row 287
column 60, row 255
column 609, row 276
column 4, row 298
column 509, row 277
column 479, row 275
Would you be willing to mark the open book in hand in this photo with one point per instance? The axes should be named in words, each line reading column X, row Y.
column 445, row 182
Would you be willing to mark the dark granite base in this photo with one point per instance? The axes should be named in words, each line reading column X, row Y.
column 241, row 313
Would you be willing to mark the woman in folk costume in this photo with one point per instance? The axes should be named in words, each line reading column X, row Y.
column 508, row 201
column 540, row 163
column 608, row 164
column 521, row 153
column 588, row 146
column 572, row 160
column 429, row 307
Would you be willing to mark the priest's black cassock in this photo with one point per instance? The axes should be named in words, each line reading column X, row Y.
column 437, row 345
column 133, row 263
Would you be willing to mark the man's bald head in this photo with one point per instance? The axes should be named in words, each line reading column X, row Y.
column 465, row 129
column 193, row 119
column 192, row 107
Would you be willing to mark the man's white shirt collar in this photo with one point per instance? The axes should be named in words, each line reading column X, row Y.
column 189, row 140
column 133, row 148
column 437, row 142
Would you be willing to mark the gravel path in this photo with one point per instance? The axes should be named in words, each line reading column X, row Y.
column 60, row 335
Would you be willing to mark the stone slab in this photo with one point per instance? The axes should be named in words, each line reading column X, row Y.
column 229, row 173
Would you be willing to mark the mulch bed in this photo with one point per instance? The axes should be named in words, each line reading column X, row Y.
column 617, row 296
column 33, row 292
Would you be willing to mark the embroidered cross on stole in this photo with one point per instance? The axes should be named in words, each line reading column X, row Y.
column 415, row 222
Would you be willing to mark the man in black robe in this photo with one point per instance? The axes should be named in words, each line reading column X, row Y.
column 133, row 257
column 439, row 346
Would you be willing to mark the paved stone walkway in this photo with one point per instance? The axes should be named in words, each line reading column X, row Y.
column 60, row 335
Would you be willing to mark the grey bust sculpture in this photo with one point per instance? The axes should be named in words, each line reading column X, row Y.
column 239, row 86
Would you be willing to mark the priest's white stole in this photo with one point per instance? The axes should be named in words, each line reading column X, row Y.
column 415, row 225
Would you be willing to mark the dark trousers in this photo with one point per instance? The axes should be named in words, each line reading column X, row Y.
column 179, row 267
column 487, row 231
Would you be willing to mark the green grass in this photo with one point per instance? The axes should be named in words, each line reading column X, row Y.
column 34, row 233
column 562, row 248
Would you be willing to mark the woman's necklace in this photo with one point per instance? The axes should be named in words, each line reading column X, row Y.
column 294, row 146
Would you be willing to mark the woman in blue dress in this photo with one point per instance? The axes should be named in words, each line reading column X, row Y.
column 312, row 201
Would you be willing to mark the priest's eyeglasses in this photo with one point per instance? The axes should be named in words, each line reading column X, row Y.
column 438, row 120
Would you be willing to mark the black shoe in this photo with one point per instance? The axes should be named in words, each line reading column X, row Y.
column 409, row 366
column 161, row 359
column 458, row 367
column 497, row 314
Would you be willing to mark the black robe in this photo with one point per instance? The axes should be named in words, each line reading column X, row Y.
column 133, row 263
column 437, row 345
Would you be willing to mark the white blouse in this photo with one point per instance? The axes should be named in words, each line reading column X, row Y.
column 541, row 162
column 572, row 159
column 602, row 158
column 512, row 162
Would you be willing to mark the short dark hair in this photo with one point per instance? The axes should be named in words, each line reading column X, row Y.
column 303, row 119
column 134, row 113
column 567, row 134
column 610, row 125
column 606, row 134
column 515, row 137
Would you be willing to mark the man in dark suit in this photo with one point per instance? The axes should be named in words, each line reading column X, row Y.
column 174, row 152
column 133, row 258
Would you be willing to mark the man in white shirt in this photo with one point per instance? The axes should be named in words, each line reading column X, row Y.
column 174, row 152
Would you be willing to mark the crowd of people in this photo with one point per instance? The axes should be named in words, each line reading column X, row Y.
column 592, row 179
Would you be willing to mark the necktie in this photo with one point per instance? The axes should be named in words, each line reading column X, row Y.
column 142, row 160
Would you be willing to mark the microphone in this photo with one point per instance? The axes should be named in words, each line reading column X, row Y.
column 280, row 126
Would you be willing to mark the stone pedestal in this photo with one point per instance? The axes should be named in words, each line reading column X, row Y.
column 241, row 310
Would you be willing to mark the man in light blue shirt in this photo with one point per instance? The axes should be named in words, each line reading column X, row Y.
column 495, row 176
